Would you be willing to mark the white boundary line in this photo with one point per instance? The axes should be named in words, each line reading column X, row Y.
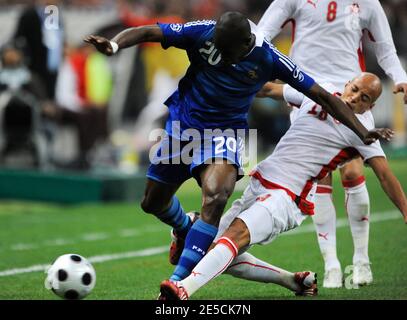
column 94, row 259
column 89, row 237
column 374, row 217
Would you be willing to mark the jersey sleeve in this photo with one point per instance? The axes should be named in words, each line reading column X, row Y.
column 384, row 48
column 183, row 36
column 370, row 151
column 275, row 17
column 292, row 96
column 283, row 68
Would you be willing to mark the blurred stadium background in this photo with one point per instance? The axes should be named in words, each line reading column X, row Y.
column 74, row 129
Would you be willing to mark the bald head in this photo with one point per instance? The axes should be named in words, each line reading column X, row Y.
column 370, row 82
column 362, row 92
column 233, row 36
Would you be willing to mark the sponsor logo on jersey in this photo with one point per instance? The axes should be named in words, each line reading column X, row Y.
column 298, row 74
column 355, row 8
column 176, row 27
column 352, row 20
column 313, row 3
column 253, row 74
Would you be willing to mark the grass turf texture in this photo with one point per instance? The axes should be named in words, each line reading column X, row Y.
column 35, row 234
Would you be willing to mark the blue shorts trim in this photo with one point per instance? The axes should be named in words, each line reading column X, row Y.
column 152, row 177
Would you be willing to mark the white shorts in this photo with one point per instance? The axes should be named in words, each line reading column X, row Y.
column 266, row 213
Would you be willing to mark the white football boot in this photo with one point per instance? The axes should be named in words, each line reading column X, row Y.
column 333, row 278
column 362, row 274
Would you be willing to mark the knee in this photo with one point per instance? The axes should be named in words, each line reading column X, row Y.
column 152, row 206
column 349, row 175
column 238, row 233
column 147, row 205
column 216, row 199
column 352, row 171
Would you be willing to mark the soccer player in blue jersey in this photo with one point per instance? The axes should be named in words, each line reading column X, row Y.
column 230, row 62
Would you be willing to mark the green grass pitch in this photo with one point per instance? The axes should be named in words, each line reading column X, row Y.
column 131, row 249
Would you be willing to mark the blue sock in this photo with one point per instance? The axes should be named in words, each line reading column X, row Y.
column 175, row 217
column 197, row 242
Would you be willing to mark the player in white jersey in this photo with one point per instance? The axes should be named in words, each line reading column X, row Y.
column 279, row 196
column 327, row 44
column 327, row 37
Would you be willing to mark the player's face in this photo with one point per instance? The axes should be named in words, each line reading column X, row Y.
column 230, row 56
column 358, row 96
column 232, row 51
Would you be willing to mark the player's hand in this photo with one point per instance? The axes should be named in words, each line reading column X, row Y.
column 101, row 44
column 375, row 134
column 401, row 87
column 265, row 92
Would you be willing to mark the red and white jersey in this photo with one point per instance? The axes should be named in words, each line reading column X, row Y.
column 327, row 37
column 315, row 144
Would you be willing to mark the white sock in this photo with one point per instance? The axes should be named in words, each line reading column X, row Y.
column 325, row 226
column 213, row 264
column 248, row 267
column 358, row 208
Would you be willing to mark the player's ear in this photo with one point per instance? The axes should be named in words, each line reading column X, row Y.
column 248, row 40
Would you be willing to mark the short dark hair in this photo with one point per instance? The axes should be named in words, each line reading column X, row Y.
column 233, row 26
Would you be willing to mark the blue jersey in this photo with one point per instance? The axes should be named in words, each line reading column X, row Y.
column 213, row 95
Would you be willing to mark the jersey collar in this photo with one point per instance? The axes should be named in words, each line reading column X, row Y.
column 259, row 36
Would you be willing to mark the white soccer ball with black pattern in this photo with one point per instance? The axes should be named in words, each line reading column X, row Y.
column 71, row 276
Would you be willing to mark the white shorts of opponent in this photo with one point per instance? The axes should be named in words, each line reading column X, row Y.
column 266, row 213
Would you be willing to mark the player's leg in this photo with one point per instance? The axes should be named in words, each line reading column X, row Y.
column 248, row 267
column 358, row 209
column 267, row 217
column 160, row 200
column 213, row 264
column 260, row 223
column 325, row 226
column 164, row 177
column 219, row 258
column 217, row 182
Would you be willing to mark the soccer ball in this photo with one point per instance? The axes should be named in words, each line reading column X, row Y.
column 71, row 276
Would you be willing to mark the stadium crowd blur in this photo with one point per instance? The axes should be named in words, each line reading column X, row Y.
column 52, row 85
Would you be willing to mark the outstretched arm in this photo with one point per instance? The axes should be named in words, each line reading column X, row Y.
column 275, row 17
column 380, row 34
column 389, row 183
column 127, row 38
